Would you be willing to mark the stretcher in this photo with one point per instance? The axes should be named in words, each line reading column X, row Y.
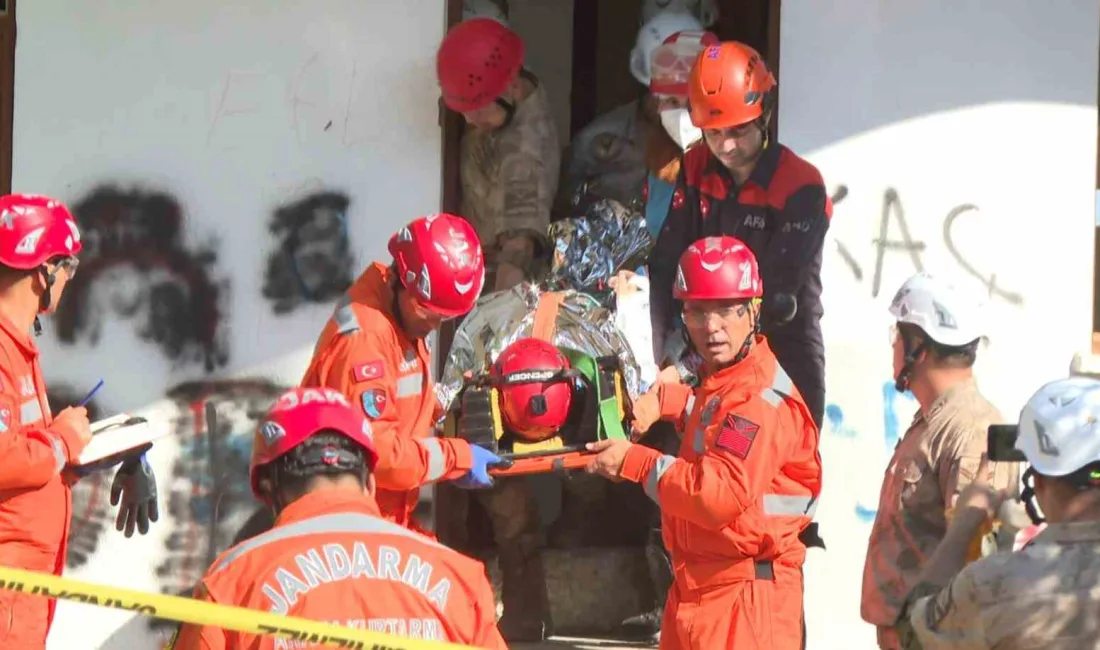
column 599, row 407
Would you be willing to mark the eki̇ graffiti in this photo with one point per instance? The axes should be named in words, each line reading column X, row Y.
column 92, row 513
column 897, row 238
column 135, row 264
column 208, row 494
column 312, row 261
column 895, row 407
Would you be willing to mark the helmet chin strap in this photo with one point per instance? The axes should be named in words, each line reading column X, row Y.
column 912, row 353
column 1027, row 497
column 46, row 298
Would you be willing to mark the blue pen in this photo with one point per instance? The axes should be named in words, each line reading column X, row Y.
column 92, row 394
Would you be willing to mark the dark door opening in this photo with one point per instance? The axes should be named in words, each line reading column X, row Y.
column 7, row 90
column 597, row 42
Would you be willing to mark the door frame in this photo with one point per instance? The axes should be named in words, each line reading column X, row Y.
column 736, row 18
column 7, row 91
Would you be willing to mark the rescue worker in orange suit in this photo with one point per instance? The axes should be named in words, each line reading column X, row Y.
column 742, row 185
column 39, row 244
column 331, row 556
column 748, row 476
column 373, row 350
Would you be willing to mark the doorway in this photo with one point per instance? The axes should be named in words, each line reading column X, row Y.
column 580, row 51
column 7, row 90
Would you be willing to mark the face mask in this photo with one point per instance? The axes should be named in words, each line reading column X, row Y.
column 677, row 123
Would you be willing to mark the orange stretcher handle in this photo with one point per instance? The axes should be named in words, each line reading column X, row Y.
column 543, row 464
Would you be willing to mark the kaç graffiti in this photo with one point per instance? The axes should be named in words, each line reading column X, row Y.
column 136, row 265
column 312, row 261
column 894, row 236
column 209, row 499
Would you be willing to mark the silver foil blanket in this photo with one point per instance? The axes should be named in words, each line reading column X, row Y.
column 602, row 237
column 500, row 318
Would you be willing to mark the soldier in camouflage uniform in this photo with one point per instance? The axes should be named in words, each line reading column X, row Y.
column 509, row 167
column 612, row 156
column 935, row 346
column 1045, row 595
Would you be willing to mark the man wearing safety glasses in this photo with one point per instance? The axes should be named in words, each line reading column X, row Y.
column 373, row 350
column 745, row 484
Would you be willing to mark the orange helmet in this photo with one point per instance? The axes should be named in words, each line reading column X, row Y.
column 728, row 84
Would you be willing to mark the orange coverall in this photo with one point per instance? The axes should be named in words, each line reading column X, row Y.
column 330, row 557
column 35, row 502
column 732, row 509
column 363, row 353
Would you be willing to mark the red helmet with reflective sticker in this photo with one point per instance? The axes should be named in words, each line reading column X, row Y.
column 439, row 259
column 535, row 394
column 297, row 415
column 35, row 229
column 477, row 60
column 717, row 268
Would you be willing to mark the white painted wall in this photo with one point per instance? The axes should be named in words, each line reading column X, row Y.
column 989, row 104
column 224, row 106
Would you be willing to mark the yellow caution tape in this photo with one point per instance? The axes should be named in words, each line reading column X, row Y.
column 196, row 612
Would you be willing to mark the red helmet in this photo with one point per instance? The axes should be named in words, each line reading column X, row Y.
column 728, row 85
column 718, row 268
column 534, row 388
column 439, row 258
column 477, row 60
column 35, row 229
column 297, row 415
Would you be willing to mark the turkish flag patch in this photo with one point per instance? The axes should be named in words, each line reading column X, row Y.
column 369, row 371
column 737, row 435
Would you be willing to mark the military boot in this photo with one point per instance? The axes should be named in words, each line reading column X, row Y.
column 647, row 625
column 523, row 592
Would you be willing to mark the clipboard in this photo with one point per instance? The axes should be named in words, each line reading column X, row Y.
column 117, row 438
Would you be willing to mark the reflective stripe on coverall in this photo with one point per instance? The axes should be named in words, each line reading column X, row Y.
column 363, row 353
column 331, row 558
column 745, row 485
column 35, row 501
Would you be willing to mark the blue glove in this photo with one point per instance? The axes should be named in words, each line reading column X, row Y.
column 478, row 477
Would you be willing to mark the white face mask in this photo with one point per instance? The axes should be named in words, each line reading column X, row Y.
column 677, row 123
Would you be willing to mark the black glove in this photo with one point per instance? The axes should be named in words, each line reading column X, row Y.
column 135, row 484
column 779, row 309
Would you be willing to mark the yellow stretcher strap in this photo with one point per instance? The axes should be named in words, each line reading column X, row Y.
column 196, row 612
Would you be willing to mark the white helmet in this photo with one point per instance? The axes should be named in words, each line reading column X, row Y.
column 1060, row 426
column 483, row 9
column 948, row 315
column 705, row 10
column 653, row 34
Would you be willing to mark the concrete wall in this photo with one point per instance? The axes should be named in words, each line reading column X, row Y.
column 973, row 126
column 234, row 122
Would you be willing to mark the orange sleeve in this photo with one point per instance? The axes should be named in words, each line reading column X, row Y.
column 195, row 637
column 30, row 456
column 359, row 366
column 715, row 488
column 675, row 400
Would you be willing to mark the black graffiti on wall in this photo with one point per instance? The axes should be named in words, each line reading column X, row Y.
column 903, row 242
column 135, row 265
column 312, row 261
